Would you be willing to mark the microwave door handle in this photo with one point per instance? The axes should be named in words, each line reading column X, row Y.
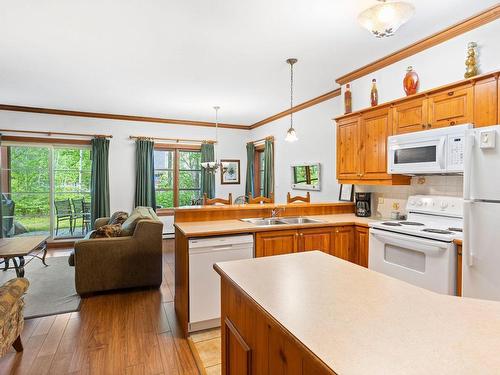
column 442, row 153
column 469, row 154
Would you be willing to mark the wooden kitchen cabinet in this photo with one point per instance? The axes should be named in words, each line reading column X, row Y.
column 451, row 106
column 410, row 116
column 361, row 244
column 317, row 239
column 486, row 102
column 459, row 270
column 344, row 243
column 348, row 148
column 276, row 242
column 375, row 128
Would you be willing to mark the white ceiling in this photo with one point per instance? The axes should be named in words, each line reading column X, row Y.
column 178, row 58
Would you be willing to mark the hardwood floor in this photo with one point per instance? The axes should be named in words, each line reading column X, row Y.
column 132, row 332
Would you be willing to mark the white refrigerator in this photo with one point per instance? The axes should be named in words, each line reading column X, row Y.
column 481, row 242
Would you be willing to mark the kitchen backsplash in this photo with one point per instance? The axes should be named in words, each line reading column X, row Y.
column 386, row 199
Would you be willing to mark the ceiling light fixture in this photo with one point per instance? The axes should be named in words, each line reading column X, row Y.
column 212, row 166
column 291, row 135
column 385, row 18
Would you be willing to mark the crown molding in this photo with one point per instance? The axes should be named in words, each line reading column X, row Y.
column 319, row 99
column 64, row 112
column 480, row 19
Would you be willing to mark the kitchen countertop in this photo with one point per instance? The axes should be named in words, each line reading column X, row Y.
column 217, row 227
column 358, row 321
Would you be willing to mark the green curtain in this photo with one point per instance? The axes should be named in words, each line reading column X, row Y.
column 144, row 174
column 99, row 184
column 249, row 187
column 207, row 178
column 268, row 168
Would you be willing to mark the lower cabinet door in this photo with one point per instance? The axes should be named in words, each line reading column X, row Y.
column 344, row 243
column 276, row 242
column 317, row 239
column 238, row 353
column 361, row 244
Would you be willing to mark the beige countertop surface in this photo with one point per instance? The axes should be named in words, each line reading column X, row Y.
column 217, row 227
column 358, row 321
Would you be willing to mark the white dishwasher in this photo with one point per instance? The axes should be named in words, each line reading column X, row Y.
column 204, row 282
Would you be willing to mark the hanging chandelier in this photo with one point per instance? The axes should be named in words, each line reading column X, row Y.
column 212, row 166
column 385, row 18
column 291, row 135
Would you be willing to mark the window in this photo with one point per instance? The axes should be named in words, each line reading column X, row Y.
column 45, row 190
column 177, row 177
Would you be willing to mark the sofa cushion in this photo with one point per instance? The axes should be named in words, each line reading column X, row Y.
column 107, row 231
column 119, row 217
column 139, row 213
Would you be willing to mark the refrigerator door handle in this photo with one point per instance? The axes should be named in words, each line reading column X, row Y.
column 469, row 155
column 466, row 242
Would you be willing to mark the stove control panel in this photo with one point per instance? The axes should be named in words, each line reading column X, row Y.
column 442, row 205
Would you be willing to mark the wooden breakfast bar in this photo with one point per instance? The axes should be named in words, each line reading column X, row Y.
column 312, row 313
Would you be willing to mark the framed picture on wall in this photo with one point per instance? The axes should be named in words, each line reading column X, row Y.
column 230, row 174
column 346, row 193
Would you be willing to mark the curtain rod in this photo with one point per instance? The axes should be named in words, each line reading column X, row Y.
column 269, row 138
column 56, row 133
column 176, row 140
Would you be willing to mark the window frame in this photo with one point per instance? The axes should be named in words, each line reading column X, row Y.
column 259, row 152
column 176, row 149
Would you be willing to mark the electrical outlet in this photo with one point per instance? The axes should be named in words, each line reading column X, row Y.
column 381, row 200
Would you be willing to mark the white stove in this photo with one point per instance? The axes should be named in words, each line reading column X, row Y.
column 420, row 250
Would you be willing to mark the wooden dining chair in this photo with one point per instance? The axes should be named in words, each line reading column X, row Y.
column 261, row 199
column 298, row 198
column 209, row 202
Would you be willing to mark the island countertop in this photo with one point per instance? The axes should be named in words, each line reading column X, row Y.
column 233, row 226
column 357, row 321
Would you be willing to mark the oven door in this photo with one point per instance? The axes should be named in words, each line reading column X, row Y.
column 416, row 156
column 426, row 263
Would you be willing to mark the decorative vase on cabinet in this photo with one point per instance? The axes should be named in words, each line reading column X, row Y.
column 411, row 81
column 374, row 93
column 348, row 99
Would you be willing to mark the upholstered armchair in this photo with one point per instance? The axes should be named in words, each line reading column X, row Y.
column 11, row 314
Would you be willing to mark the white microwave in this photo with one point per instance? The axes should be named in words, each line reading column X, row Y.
column 437, row 151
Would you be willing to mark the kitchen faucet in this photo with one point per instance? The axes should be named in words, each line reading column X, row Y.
column 275, row 211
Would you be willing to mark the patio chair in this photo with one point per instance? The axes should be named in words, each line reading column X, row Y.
column 64, row 213
column 86, row 215
column 77, row 207
column 8, row 208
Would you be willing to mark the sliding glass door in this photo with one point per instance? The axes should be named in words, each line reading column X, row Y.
column 45, row 190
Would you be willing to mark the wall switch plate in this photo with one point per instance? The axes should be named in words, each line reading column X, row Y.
column 487, row 139
column 380, row 200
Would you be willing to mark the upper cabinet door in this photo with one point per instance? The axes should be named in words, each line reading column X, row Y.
column 375, row 128
column 348, row 148
column 485, row 102
column 451, row 107
column 410, row 116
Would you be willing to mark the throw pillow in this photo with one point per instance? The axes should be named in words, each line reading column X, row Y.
column 107, row 231
column 118, row 217
column 139, row 213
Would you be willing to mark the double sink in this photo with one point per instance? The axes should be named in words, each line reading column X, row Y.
column 264, row 222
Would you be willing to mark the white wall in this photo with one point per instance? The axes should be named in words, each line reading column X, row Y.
column 316, row 132
column 122, row 149
column 436, row 66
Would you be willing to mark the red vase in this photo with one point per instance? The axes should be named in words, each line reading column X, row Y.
column 411, row 81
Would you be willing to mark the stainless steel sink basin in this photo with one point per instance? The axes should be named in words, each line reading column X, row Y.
column 264, row 222
column 282, row 220
column 300, row 220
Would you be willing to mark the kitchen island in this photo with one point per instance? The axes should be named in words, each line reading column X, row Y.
column 312, row 313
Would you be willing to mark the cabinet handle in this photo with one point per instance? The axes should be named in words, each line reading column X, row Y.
column 452, row 123
column 301, row 234
column 451, row 93
column 429, row 126
column 423, row 126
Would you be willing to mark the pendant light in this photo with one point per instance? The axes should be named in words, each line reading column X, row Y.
column 212, row 166
column 385, row 18
column 291, row 135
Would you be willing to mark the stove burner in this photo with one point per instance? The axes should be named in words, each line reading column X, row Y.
column 392, row 224
column 438, row 231
column 411, row 223
column 456, row 229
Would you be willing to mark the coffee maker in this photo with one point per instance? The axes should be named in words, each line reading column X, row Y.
column 363, row 204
